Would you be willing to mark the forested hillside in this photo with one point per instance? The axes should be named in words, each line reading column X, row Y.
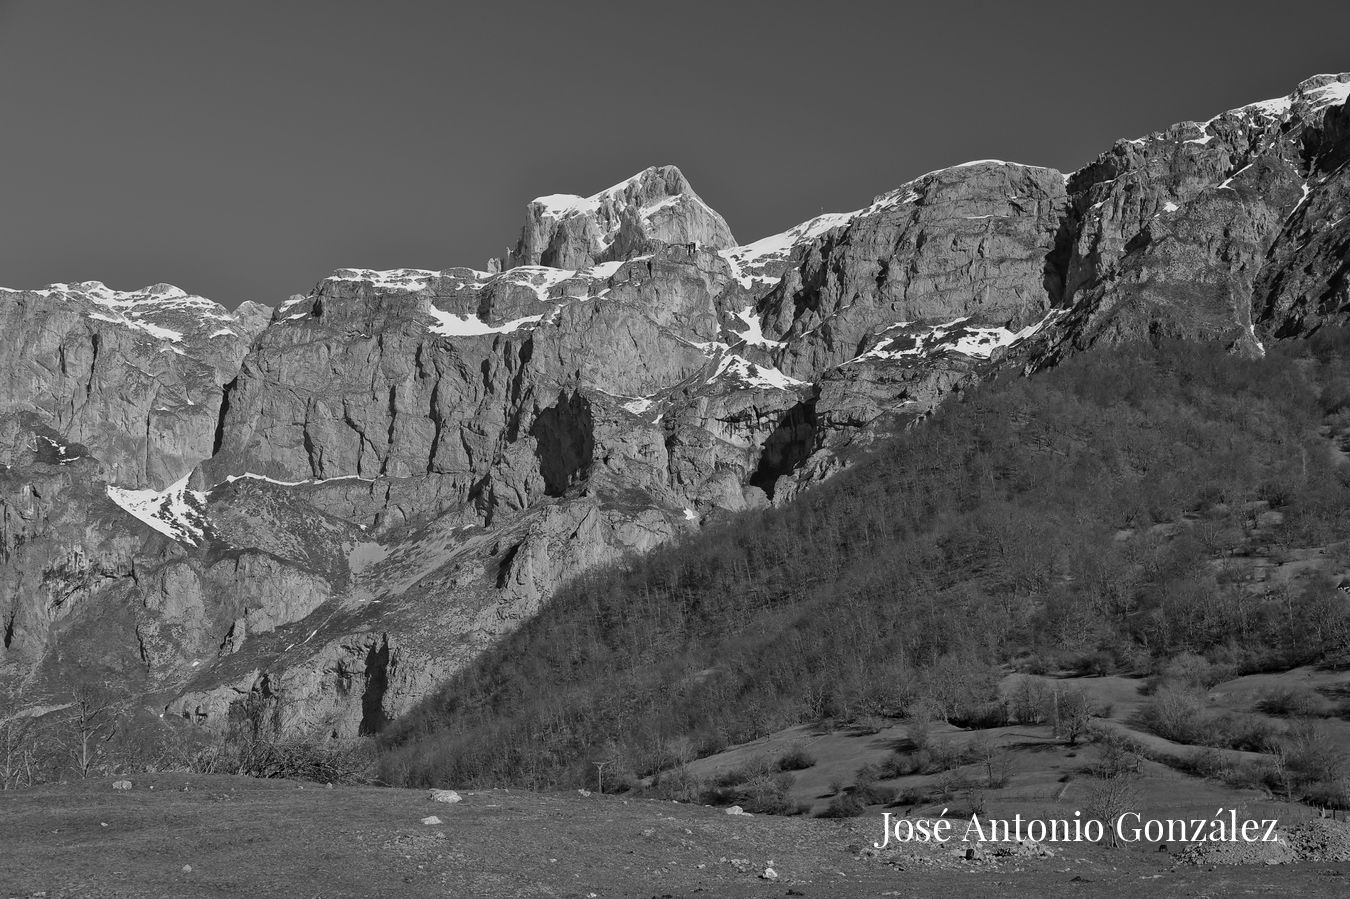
column 1104, row 515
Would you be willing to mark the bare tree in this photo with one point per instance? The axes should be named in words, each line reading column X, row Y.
column 90, row 721
column 17, row 753
column 1069, row 713
column 997, row 760
column 1110, row 797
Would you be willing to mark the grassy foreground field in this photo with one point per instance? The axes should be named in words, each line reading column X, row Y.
column 224, row 836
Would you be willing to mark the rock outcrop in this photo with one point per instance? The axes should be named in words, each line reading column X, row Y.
column 331, row 507
column 655, row 205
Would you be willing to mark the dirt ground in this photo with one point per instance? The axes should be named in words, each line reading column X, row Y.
column 224, row 836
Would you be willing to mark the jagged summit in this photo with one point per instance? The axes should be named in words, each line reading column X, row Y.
column 657, row 204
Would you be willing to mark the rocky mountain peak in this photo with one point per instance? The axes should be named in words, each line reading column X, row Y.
column 657, row 204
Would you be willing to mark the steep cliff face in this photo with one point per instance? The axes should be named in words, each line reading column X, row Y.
column 135, row 377
column 1176, row 227
column 336, row 505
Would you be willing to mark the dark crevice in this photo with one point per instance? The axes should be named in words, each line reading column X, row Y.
column 141, row 648
column 1057, row 261
column 504, row 566
column 373, row 716
column 791, row 442
column 228, row 640
column 311, row 452
column 220, row 419
column 517, row 390
column 389, row 434
column 93, row 364
column 9, row 628
column 565, row 442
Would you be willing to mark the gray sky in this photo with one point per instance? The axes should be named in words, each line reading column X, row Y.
column 243, row 150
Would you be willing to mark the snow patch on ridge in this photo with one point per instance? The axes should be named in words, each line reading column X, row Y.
column 752, row 374
column 448, row 324
column 1333, row 94
column 176, row 512
column 61, row 450
column 539, row 278
column 145, row 310
column 749, row 260
column 637, row 406
column 156, row 331
column 409, row 279
column 952, row 337
column 754, row 329
column 248, row 475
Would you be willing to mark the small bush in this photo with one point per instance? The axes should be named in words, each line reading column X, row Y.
column 1028, row 700
column 1193, row 670
column 920, row 732
column 1210, row 763
column 797, row 758
column 867, row 774
column 1246, row 732
column 678, row 784
column 295, row 759
column 1312, row 753
column 899, row 764
column 1248, row 775
column 874, row 794
column 944, row 755
column 846, row 805
column 767, row 796
column 984, row 716
column 911, row 796
column 1296, row 702
column 1327, row 794
column 751, row 769
column 1119, row 754
column 756, row 786
column 1175, row 713
column 869, row 724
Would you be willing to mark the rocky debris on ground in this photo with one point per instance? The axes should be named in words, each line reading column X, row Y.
column 444, row 796
column 121, row 785
column 957, row 855
column 431, row 819
column 1315, row 840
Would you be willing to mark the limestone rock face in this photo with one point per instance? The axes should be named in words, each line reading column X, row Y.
column 1174, row 230
column 975, row 242
column 135, row 377
column 333, row 506
column 1304, row 283
column 657, row 204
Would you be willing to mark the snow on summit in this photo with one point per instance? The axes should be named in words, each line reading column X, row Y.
column 565, row 205
column 162, row 311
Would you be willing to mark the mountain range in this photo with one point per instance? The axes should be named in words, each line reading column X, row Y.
column 334, row 505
